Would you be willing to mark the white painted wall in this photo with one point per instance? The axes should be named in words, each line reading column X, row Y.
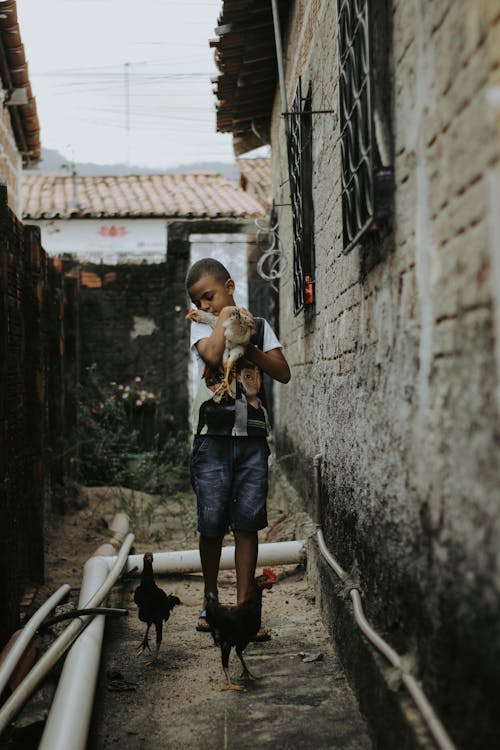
column 107, row 240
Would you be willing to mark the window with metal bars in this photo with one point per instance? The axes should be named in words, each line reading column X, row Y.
column 300, row 171
column 367, row 185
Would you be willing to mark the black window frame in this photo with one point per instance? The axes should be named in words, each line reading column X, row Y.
column 367, row 185
column 301, row 195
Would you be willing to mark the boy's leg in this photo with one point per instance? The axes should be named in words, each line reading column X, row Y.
column 212, row 483
column 210, row 549
column 249, row 512
column 245, row 558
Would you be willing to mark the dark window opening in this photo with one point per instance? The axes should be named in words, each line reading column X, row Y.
column 367, row 182
column 300, row 171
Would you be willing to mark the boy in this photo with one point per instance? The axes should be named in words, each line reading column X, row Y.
column 229, row 456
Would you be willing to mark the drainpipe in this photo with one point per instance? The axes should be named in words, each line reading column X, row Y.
column 436, row 728
column 281, row 72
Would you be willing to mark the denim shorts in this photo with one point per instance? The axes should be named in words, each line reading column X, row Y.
column 229, row 476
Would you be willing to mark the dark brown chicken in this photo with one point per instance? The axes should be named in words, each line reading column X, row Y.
column 154, row 605
column 237, row 625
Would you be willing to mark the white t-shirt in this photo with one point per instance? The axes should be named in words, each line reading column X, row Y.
column 201, row 331
column 216, row 415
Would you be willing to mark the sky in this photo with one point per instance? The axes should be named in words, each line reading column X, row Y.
column 125, row 82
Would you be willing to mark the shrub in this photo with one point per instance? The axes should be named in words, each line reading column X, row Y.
column 120, row 442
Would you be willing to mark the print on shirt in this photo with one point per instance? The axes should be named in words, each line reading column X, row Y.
column 243, row 415
column 243, row 411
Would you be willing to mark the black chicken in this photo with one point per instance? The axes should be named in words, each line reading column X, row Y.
column 237, row 625
column 154, row 605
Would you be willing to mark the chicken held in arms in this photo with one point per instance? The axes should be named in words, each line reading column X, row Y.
column 237, row 625
column 154, row 605
column 238, row 330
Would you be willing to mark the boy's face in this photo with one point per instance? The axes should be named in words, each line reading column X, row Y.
column 211, row 295
column 250, row 380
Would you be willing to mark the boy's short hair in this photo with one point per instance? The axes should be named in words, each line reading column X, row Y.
column 245, row 364
column 204, row 266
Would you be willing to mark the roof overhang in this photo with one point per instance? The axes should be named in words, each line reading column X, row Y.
column 18, row 96
column 245, row 53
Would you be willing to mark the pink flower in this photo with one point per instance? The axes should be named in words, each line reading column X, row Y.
column 125, row 395
column 137, row 379
column 138, row 402
column 120, row 387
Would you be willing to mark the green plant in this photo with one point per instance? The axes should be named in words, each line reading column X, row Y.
column 122, row 441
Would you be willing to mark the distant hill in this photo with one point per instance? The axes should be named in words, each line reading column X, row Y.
column 52, row 161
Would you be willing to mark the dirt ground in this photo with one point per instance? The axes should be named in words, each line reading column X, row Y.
column 174, row 700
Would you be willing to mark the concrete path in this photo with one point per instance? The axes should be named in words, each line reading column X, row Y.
column 301, row 701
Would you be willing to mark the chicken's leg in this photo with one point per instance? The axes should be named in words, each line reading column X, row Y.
column 159, row 627
column 224, row 387
column 144, row 643
column 246, row 674
column 225, row 649
column 228, row 368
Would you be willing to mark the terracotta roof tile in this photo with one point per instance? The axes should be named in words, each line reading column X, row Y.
column 256, row 179
column 197, row 195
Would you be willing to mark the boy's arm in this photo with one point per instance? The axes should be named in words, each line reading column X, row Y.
column 272, row 362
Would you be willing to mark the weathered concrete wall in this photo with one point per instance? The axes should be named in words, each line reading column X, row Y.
column 122, row 324
column 393, row 375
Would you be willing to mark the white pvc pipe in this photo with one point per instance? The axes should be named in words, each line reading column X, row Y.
column 188, row 561
column 437, row 729
column 78, row 679
column 62, row 643
column 25, row 636
column 370, row 633
column 327, row 554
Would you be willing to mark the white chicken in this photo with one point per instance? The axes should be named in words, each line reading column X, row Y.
column 238, row 330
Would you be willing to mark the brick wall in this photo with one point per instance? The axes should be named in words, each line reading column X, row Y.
column 394, row 372
column 32, row 440
column 122, row 322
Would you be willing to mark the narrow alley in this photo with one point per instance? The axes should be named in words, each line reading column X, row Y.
column 250, row 295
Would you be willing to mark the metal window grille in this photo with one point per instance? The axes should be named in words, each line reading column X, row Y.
column 300, row 171
column 366, row 191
